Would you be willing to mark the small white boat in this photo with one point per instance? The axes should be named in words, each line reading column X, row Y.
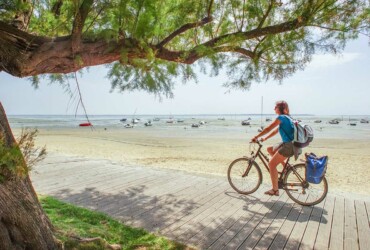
column 128, row 125
column 156, row 119
column 202, row 122
column 335, row 121
column 246, row 123
column 364, row 121
column 170, row 121
column 148, row 124
column 135, row 121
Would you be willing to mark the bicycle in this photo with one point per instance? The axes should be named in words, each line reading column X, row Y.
column 245, row 177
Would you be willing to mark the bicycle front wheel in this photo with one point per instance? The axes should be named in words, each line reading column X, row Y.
column 302, row 192
column 244, row 176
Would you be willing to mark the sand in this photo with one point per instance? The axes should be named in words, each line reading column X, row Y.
column 194, row 151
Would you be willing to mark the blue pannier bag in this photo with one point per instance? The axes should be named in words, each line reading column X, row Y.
column 315, row 168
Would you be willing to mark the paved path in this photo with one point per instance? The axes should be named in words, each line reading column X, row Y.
column 201, row 210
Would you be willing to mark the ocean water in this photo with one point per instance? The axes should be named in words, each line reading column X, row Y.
column 214, row 124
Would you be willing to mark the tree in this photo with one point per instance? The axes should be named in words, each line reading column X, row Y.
column 148, row 43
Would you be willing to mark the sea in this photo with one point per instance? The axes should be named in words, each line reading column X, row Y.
column 220, row 124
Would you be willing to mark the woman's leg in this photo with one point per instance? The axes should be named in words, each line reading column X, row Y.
column 271, row 152
column 275, row 160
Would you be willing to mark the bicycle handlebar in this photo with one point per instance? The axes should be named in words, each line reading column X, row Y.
column 258, row 141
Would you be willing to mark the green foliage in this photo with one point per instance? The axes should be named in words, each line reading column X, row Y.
column 326, row 27
column 19, row 158
column 12, row 160
column 31, row 153
column 154, row 77
column 74, row 222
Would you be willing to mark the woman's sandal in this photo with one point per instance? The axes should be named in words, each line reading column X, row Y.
column 272, row 192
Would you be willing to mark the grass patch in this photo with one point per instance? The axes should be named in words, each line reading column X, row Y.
column 73, row 222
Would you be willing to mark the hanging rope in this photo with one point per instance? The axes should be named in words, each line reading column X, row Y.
column 81, row 101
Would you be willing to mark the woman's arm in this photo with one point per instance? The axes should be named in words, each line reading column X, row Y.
column 273, row 133
column 268, row 129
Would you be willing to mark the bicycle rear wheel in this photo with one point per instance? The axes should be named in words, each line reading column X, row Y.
column 241, row 181
column 302, row 192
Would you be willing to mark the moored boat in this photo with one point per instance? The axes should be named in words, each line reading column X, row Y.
column 85, row 124
column 335, row 121
column 246, row 123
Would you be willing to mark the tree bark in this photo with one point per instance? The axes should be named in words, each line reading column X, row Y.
column 23, row 223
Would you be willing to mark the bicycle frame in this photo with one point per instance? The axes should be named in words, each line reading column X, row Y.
column 264, row 159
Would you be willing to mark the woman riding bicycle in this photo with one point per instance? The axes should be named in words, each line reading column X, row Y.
column 283, row 150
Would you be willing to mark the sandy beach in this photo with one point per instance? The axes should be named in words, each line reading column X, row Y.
column 202, row 151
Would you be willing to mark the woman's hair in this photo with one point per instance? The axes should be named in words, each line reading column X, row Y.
column 283, row 107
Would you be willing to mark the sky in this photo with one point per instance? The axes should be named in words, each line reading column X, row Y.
column 329, row 85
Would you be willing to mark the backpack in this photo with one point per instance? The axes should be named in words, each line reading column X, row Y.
column 315, row 168
column 303, row 133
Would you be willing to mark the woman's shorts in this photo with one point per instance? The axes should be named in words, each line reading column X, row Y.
column 285, row 149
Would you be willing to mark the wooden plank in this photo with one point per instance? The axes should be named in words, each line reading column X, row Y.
column 282, row 236
column 159, row 207
column 96, row 195
column 268, row 236
column 309, row 237
column 337, row 229
column 136, row 196
column 175, row 190
column 183, row 216
column 323, row 234
column 188, row 230
column 195, row 198
column 196, row 217
column 350, row 226
column 167, row 205
column 299, row 228
column 218, row 226
column 74, row 179
column 244, row 219
column 248, row 228
column 362, row 225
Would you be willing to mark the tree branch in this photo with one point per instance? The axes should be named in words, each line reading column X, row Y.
column 209, row 8
column 55, row 9
column 239, row 50
column 79, row 22
column 242, row 36
column 22, row 18
column 184, row 28
column 266, row 14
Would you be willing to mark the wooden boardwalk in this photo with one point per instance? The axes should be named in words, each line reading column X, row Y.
column 201, row 210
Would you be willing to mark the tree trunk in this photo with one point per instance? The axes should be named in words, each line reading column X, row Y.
column 23, row 223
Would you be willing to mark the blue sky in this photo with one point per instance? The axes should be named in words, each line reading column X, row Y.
column 330, row 85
